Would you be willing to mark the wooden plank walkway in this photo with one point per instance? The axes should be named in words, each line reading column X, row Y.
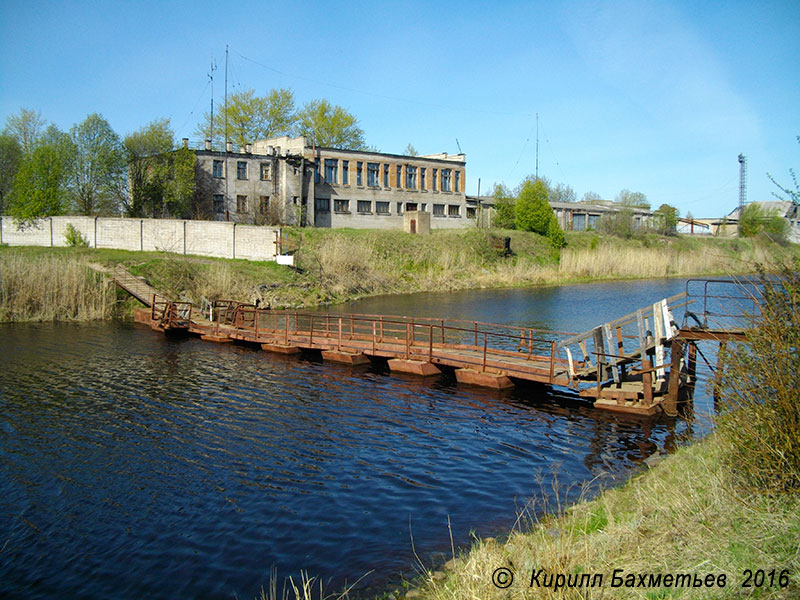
column 135, row 286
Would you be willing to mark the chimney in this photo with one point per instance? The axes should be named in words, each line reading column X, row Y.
column 228, row 146
column 185, row 142
column 248, row 148
column 208, row 144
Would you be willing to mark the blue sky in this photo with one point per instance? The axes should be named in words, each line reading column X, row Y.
column 656, row 97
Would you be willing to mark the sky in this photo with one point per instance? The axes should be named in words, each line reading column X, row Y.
column 655, row 97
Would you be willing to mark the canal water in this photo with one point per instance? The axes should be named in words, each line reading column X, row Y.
column 135, row 465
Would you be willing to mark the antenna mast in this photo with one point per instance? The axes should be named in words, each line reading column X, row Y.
column 742, row 183
column 211, row 123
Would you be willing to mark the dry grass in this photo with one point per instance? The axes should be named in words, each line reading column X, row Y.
column 51, row 288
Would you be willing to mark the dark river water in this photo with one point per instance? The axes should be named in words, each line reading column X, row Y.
column 133, row 465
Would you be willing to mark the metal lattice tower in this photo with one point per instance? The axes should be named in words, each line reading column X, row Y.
column 742, row 182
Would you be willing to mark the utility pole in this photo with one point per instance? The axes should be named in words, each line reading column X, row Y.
column 742, row 182
column 537, row 146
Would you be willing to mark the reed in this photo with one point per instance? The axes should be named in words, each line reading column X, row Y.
column 51, row 288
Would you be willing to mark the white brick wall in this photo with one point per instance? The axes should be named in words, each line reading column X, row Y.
column 205, row 238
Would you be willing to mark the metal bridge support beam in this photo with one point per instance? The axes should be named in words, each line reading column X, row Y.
column 670, row 402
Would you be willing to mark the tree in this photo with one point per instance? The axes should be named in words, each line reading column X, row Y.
column 10, row 158
column 632, row 199
column 666, row 219
column 97, row 177
column 410, row 150
column 250, row 117
column 39, row 188
column 26, row 127
column 592, row 197
column 144, row 149
column 532, row 212
column 504, row 207
column 561, row 192
column 331, row 126
column 755, row 219
column 793, row 194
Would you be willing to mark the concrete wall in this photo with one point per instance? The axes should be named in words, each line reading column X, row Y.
column 206, row 238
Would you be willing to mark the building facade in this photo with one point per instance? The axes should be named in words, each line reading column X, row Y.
column 287, row 181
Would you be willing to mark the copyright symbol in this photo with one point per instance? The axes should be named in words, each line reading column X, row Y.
column 502, row 578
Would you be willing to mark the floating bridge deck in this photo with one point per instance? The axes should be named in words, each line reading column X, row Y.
column 642, row 363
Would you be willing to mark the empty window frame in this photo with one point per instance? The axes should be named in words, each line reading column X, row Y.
column 345, row 172
column 438, row 210
column 471, row 212
column 411, row 177
column 399, row 180
column 241, row 204
column 411, row 206
column 341, row 206
column 331, row 167
column 241, row 169
column 423, row 207
column 263, row 205
column 399, row 208
column 359, row 173
column 453, row 210
column 373, row 173
column 219, row 203
column 445, row 182
column 457, row 182
column 265, row 171
column 386, row 176
column 422, row 178
column 217, row 170
column 434, row 173
column 364, row 206
column 322, row 204
column 381, row 207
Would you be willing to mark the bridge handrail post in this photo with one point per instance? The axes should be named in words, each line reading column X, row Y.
column 530, row 343
column 443, row 331
column 255, row 319
column 484, row 350
column 552, row 360
column 430, row 342
column 339, row 346
column 407, row 339
column 476, row 333
column 311, row 332
column 286, row 331
column 374, row 328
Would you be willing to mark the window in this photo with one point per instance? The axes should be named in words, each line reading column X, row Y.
column 341, row 206
column 424, row 207
column 399, row 208
column 453, row 210
column 411, row 206
column 345, row 172
column 373, row 170
column 445, row 183
column 217, row 169
column 219, row 204
column 316, row 174
column 322, row 204
column 386, row 176
column 411, row 177
column 241, row 204
column 422, row 178
column 241, row 169
column 263, row 205
column 331, row 166
column 382, row 208
column 438, row 210
column 593, row 219
column 359, row 171
column 264, row 171
column 457, row 183
column 579, row 222
column 399, row 179
column 471, row 212
column 365, row 206
column 433, row 179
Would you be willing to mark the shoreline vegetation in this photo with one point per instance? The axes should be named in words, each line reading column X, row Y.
column 335, row 266
column 724, row 510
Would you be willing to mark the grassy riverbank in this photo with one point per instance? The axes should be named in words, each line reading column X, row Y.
column 340, row 265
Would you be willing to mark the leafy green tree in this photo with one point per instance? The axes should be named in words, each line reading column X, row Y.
column 591, row 197
column 792, row 195
column 10, row 158
column 410, row 150
column 503, row 206
column 250, row 117
column 40, row 185
column 145, row 149
column 532, row 211
column 666, row 219
column 27, row 128
column 97, row 177
column 331, row 126
column 756, row 219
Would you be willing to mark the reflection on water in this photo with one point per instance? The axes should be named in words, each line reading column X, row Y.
column 143, row 466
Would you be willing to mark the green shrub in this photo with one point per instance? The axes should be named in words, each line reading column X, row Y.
column 760, row 390
column 74, row 238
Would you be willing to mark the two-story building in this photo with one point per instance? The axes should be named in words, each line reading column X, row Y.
column 286, row 180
